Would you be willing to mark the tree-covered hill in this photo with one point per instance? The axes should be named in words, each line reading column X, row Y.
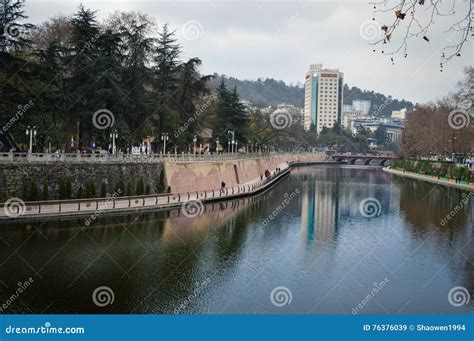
column 272, row 92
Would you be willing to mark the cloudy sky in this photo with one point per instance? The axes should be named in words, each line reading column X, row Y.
column 279, row 39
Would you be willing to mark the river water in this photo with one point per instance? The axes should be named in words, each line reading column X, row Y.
column 327, row 239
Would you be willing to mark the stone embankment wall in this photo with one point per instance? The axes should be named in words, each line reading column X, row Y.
column 180, row 177
column 186, row 177
column 15, row 177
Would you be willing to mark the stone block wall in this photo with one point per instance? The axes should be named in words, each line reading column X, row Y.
column 14, row 176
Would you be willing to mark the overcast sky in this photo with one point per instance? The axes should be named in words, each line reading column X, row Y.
column 276, row 39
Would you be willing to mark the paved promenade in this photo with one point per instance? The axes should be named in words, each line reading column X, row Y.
column 430, row 178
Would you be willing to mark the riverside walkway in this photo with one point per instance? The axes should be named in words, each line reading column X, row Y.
column 430, row 178
column 191, row 202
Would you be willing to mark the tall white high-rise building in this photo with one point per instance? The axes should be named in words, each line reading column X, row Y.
column 323, row 97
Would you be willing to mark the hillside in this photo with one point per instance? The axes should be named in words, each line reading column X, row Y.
column 273, row 92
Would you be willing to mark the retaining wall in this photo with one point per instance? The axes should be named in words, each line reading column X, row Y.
column 198, row 176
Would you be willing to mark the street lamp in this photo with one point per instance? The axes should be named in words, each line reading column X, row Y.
column 194, row 142
column 217, row 146
column 164, row 138
column 233, row 138
column 31, row 132
column 113, row 136
column 236, row 146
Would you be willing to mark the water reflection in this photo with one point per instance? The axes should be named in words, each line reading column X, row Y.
column 228, row 260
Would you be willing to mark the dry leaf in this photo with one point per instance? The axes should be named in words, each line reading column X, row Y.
column 400, row 15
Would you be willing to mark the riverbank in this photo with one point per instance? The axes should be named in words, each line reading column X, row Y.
column 190, row 201
column 430, row 178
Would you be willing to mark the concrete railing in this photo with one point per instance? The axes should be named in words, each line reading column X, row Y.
column 37, row 209
column 13, row 157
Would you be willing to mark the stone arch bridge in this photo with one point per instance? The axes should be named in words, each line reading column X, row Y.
column 367, row 159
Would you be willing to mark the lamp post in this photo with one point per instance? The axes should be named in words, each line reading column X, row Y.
column 236, row 150
column 113, row 136
column 217, row 146
column 194, row 142
column 164, row 138
column 31, row 132
column 233, row 139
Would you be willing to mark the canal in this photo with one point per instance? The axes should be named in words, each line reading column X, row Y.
column 327, row 239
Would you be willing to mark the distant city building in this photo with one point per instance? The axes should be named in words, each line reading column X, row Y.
column 347, row 107
column 363, row 106
column 399, row 114
column 349, row 115
column 323, row 97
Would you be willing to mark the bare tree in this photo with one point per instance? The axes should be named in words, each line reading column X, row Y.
column 415, row 18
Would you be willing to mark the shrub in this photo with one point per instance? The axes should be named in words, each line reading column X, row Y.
column 33, row 191
column 120, row 187
column 80, row 192
column 45, row 192
column 103, row 190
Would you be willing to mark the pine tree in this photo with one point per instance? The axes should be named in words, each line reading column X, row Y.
column 14, row 33
column 165, row 72
column 103, row 190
